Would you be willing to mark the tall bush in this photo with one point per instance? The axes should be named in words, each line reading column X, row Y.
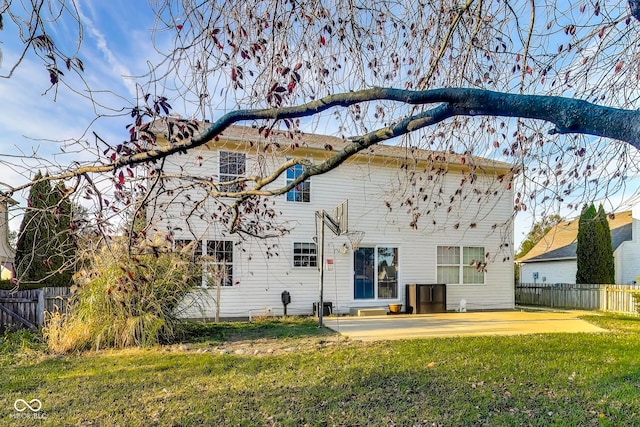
column 586, row 250
column 594, row 249
column 45, row 249
column 125, row 298
column 606, row 264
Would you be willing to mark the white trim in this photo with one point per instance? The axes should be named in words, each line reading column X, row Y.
column 293, row 255
column 235, row 176
column 293, row 202
column 460, row 265
column 376, row 299
column 205, row 262
column 549, row 259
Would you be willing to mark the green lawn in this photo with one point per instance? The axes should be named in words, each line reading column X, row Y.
column 291, row 373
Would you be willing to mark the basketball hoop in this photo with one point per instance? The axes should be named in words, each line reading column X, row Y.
column 355, row 237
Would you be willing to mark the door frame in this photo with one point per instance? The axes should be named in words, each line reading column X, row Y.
column 375, row 273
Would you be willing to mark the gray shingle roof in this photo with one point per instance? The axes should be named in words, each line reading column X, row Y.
column 561, row 241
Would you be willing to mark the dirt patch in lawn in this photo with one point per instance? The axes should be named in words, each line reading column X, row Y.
column 264, row 346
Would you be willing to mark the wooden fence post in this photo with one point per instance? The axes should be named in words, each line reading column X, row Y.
column 40, row 308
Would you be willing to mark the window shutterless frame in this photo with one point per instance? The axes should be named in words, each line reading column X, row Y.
column 220, row 261
column 305, row 254
column 301, row 193
column 453, row 265
column 376, row 272
column 232, row 165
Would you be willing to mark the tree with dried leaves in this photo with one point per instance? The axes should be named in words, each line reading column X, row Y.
column 537, row 232
column 549, row 87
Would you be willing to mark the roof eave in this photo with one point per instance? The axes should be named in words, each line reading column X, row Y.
column 524, row 261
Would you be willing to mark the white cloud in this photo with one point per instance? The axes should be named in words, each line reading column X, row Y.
column 116, row 66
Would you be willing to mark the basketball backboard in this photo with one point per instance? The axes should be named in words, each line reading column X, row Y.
column 338, row 220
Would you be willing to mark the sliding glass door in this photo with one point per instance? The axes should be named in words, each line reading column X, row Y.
column 375, row 273
column 364, row 273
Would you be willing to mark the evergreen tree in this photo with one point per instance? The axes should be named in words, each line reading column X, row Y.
column 45, row 245
column 63, row 253
column 606, row 263
column 587, row 250
column 594, row 252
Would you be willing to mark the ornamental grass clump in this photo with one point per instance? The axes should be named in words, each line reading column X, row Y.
column 125, row 297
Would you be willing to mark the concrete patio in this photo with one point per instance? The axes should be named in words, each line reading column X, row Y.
column 404, row 326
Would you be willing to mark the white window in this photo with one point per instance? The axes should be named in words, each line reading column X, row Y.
column 457, row 264
column 302, row 191
column 305, row 255
column 220, row 264
column 232, row 166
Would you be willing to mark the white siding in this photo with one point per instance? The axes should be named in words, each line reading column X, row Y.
column 563, row 271
column 6, row 252
column 627, row 260
column 477, row 219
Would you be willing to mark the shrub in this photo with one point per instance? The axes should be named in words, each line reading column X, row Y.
column 594, row 251
column 21, row 340
column 125, row 298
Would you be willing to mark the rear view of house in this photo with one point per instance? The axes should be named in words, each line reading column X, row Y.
column 423, row 217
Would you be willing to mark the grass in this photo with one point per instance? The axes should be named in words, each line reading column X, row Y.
column 264, row 328
column 314, row 378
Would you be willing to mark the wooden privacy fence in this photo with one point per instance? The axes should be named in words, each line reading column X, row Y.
column 614, row 298
column 22, row 309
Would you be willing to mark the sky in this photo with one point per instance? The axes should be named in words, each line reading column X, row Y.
column 35, row 119
column 116, row 46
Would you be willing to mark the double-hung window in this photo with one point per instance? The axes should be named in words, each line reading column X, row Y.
column 457, row 264
column 232, row 166
column 302, row 191
column 220, row 265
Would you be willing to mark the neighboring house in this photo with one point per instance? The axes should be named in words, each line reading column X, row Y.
column 7, row 254
column 460, row 223
column 553, row 259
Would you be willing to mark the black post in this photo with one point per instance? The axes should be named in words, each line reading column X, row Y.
column 321, row 264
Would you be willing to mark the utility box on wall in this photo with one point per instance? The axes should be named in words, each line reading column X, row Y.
column 426, row 298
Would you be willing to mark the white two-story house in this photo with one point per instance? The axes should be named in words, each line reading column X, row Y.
column 427, row 217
